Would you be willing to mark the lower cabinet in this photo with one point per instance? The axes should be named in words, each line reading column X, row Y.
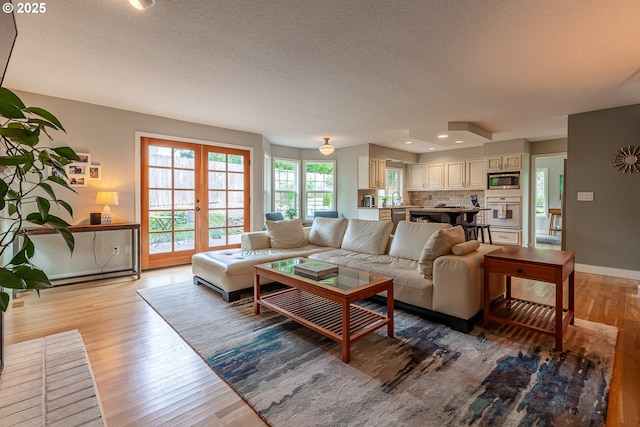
column 375, row 214
column 505, row 237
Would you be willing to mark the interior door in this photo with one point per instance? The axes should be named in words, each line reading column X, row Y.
column 194, row 198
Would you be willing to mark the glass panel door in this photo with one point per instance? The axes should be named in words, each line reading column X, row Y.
column 227, row 196
column 174, row 224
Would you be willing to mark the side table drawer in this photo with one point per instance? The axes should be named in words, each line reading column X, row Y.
column 535, row 272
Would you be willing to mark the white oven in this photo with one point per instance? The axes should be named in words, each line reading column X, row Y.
column 504, row 212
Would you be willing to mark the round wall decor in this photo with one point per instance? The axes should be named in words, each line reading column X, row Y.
column 627, row 159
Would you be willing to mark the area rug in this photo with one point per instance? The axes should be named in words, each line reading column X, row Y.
column 427, row 375
column 548, row 240
column 48, row 381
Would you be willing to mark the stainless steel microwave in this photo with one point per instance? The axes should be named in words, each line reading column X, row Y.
column 503, row 180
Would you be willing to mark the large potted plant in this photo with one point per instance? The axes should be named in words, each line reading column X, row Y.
column 28, row 191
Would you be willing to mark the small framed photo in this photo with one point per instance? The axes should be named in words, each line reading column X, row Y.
column 95, row 173
column 84, row 158
column 78, row 171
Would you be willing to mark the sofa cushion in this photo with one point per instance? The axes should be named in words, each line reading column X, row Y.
column 286, row 234
column 327, row 231
column 410, row 238
column 465, row 247
column 370, row 237
column 440, row 243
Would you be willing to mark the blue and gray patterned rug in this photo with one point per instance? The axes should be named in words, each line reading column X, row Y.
column 427, row 375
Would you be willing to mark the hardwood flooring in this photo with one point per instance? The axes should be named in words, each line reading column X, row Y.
column 146, row 374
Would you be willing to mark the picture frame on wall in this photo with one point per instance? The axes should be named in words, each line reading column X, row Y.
column 95, row 172
column 78, row 172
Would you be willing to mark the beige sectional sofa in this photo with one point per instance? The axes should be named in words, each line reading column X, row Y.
column 434, row 271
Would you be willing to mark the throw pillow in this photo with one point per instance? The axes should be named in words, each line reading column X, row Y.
column 327, row 231
column 440, row 243
column 286, row 234
column 466, row 247
column 366, row 236
column 410, row 237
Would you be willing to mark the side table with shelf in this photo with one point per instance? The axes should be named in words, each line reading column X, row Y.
column 535, row 264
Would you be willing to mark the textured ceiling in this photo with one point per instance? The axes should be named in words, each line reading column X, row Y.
column 357, row 71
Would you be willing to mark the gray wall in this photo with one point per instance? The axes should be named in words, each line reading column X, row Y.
column 604, row 232
column 108, row 134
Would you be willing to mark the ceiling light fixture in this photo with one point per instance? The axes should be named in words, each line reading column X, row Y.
column 142, row 4
column 443, row 135
column 459, row 141
column 327, row 148
column 408, row 142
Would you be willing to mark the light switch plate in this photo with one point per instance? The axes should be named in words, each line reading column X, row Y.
column 585, row 196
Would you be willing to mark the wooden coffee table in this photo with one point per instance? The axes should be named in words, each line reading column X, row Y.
column 544, row 265
column 326, row 306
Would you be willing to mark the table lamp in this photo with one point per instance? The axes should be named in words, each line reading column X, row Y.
column 106, row 198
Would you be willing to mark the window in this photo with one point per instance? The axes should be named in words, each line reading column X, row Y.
column 393, row 192
column 542, row 192
column 286, row 188
column 319, row 189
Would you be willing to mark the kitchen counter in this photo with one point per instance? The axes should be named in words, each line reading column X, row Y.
column 454, row 215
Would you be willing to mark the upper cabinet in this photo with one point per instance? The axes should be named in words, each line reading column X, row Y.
column 435, row 176
column 454, row 173
column 464, row 175
column 372, row 172
column 417, row 177
column 476, row 176
column 507, row 162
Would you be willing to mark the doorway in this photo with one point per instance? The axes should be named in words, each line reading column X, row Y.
column 548, row 175
column 194, row 198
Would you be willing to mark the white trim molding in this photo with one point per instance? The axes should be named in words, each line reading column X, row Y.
column 608, row 271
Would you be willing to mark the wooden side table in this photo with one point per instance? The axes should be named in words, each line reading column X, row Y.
column 536, row 264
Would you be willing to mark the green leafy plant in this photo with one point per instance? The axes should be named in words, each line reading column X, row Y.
column 384, row 199
column 291, row 213
column 28, row 190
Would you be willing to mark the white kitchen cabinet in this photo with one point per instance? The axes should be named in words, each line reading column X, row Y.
column 476, row 176
column 435, row 176
column 454, row 173
column 372, row 172
column 507, row 162
column 417, row 177
column 505, row 237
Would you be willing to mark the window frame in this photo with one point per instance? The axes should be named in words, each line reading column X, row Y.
column 385, row 191
column 305, row 192
column 545, row 206
column 295, row 181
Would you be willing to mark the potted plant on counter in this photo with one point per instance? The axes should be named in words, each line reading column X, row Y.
column 28, row 191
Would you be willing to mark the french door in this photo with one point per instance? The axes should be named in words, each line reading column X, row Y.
column 194, row 198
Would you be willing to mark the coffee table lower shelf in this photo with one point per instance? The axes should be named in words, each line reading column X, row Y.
column 530, row 315
column 324, row 316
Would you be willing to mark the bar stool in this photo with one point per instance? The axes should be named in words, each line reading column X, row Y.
column 480, row 229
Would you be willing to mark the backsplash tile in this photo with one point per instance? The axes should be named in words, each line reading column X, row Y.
column 450, row 197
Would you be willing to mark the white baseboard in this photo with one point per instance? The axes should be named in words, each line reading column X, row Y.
column 607, row 271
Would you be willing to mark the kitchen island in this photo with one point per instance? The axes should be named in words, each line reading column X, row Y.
column 454, row 215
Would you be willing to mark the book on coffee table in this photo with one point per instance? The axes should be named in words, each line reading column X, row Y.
column 315, row 269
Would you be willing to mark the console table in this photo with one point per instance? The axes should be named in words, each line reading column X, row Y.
column 136, row 254
column 536, row 264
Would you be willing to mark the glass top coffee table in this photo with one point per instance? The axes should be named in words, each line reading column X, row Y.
column 327, row 306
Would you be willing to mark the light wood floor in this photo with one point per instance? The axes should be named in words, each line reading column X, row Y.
column 146, row 374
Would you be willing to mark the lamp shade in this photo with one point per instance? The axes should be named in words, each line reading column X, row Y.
column 327, row 148
column 107, row 198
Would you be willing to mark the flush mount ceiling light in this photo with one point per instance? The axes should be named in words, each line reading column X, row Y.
column 326, row 148
column 142, row 4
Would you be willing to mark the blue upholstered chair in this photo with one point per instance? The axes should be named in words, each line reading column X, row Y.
column 274, row 216
column 326, row 214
